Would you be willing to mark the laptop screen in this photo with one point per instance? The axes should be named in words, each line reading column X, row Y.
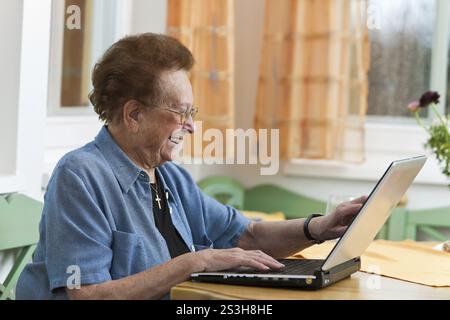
column 375, row 211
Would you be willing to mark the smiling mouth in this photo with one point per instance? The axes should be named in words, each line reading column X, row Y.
column 176, row 140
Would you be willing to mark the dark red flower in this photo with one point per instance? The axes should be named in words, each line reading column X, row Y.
column 428, row 98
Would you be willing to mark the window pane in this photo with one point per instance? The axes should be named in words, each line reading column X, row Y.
column 76, row 56
column 400, row 54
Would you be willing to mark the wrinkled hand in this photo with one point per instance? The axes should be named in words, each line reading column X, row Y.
column 222, row 259
column 333, row 226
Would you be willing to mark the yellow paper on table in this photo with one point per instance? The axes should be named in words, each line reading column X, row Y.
column 405, row 260
column 262, row 216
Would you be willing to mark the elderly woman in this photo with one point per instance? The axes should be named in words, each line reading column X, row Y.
column 121, row 221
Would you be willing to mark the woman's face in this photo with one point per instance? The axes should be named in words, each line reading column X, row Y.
column 160, row 131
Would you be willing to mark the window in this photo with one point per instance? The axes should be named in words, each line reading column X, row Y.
column 76, row 60
column 401, row 54
column 409, row 55
column 81, row 31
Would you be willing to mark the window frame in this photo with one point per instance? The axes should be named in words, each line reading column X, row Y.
column 439, row 57
column 105, row 32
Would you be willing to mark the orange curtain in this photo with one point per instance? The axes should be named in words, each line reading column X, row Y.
column 206, row 27
column 313, row 78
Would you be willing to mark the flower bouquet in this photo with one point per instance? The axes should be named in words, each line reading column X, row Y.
column 439, row 136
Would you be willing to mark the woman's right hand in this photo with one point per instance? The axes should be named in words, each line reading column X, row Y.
column 222, row 259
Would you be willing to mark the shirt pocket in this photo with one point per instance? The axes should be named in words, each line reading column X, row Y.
column 128, row 255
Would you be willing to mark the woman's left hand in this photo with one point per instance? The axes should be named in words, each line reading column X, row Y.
column 333, row 226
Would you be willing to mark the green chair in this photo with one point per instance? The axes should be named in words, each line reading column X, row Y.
column 19, row 221
column 405, row 224
column 225, row 190
column 264, row 198
column 270, row 198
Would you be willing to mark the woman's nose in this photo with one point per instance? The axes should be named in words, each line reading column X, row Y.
column 189, row 125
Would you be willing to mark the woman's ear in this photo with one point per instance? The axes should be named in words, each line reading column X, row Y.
column 130, row 114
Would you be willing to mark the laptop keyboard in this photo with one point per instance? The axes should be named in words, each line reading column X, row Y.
column 291, row 267
column 299, row 266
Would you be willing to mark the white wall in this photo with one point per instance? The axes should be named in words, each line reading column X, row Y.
column 149, row 16
column 11, row 34
column 24, row 58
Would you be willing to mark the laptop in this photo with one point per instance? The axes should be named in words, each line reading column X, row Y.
column 344, row 259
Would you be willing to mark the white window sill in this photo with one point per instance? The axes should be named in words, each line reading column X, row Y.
column 384, row 144
column 371, row 170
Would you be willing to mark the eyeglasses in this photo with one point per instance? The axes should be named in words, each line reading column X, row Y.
column 184, row 115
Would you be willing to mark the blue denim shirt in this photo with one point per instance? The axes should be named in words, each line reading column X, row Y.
column 98, row 217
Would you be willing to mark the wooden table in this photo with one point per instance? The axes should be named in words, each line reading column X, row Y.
column 360, row 286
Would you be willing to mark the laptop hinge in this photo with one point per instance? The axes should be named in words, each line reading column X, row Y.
column 341, row 271
column 343, row 265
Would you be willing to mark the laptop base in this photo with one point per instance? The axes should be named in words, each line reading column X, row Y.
column 319, row 279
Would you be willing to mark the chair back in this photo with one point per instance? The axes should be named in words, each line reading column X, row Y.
column 271, row 198
column 226, row 190
column 428, row 222
column 19, row 229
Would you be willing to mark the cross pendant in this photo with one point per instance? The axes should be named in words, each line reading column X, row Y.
column 158, row 199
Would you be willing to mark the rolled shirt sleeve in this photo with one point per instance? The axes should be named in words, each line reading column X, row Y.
column 224, row 224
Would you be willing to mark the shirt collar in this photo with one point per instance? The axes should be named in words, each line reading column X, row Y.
column 125, row 170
